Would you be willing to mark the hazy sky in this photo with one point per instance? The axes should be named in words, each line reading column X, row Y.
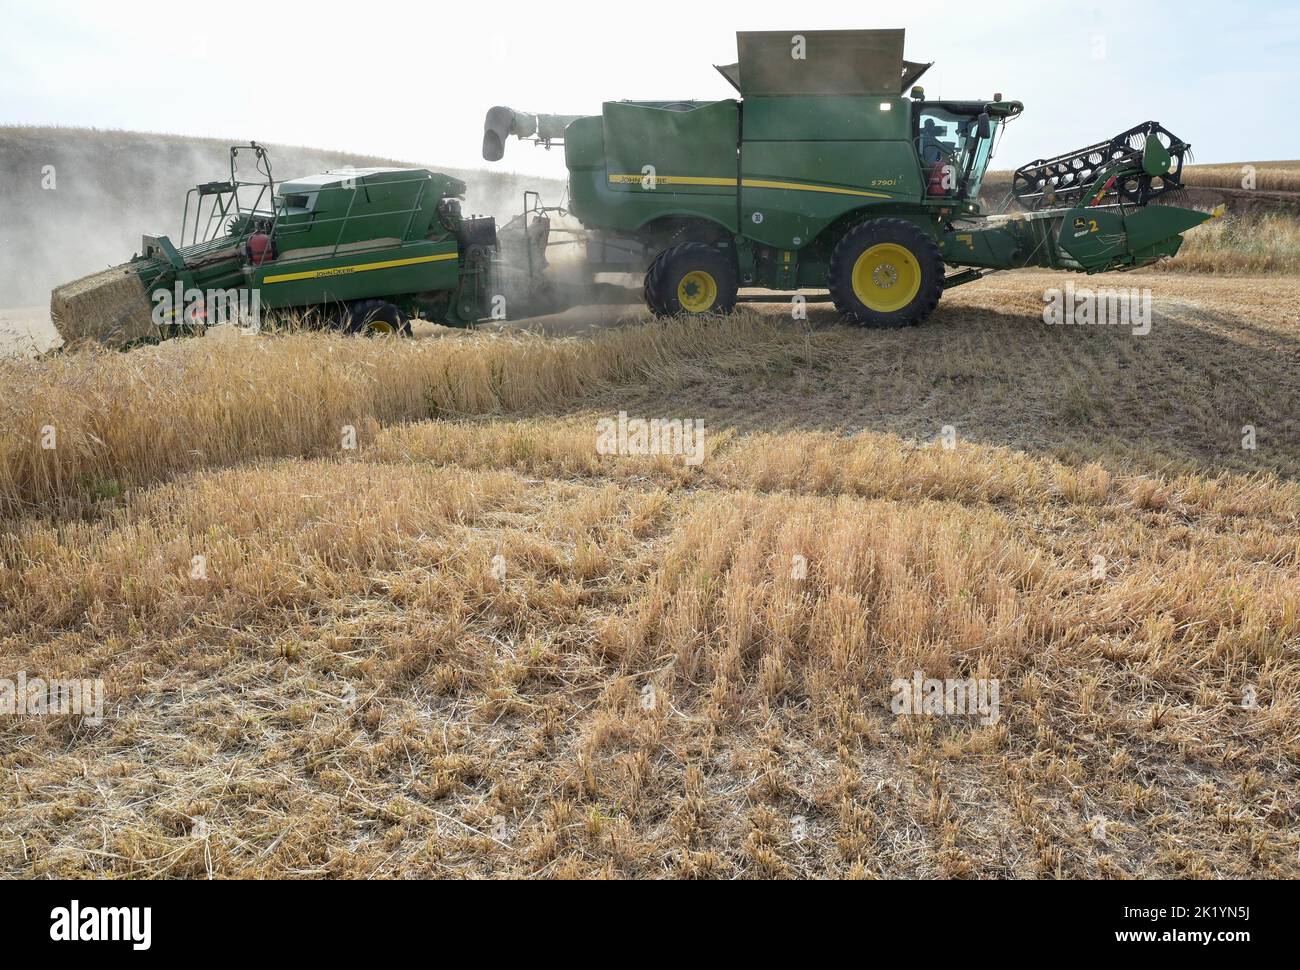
column 412, row 80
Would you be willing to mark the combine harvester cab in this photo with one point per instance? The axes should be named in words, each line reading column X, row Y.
column 360, row 250
column 832, row 171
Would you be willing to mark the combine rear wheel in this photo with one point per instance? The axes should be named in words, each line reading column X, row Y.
column 886, row 273
column 375, row 318
column 691, row 279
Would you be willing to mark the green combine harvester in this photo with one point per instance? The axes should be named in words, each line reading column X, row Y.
column 824, row 174
column 359, row 250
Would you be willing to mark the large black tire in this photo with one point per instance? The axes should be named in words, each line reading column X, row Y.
column 886, row 273
column 377, row 318
column 692, row 279
column 647, row 292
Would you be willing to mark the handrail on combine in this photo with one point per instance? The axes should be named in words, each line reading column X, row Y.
column 227, row 206
column 225, row 195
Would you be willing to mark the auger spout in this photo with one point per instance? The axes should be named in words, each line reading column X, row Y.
column 502, row 122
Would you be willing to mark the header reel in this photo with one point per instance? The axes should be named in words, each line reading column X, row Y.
column 1138, row 165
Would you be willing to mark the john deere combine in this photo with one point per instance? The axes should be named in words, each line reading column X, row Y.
column 824, row 173
column 358, row 250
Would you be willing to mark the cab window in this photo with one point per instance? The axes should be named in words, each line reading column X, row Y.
column 946, row 138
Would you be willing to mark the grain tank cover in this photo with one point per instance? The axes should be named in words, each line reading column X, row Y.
column 822, row 62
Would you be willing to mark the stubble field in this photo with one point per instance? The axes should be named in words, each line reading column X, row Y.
column 472, row 645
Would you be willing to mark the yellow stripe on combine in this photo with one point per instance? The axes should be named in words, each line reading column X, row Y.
column 672, row 179
column 624, row 179
column 357, row 268
column 800, row 187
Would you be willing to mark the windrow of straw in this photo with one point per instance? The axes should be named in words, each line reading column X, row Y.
column 88, row 425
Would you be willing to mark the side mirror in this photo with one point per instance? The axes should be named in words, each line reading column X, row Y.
column 985, row 125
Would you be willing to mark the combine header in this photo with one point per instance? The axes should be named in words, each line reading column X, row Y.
column 827, row 172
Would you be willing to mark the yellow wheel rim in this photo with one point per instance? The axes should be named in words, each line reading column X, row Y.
column 886, row 277
column 697, row 292
column 382, row 327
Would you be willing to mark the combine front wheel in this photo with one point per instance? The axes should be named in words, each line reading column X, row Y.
column 648, row 292
column 691, row 279
column 886, row 273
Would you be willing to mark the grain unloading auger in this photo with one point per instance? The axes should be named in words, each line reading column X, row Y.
column 823, row 173
column 363, row 250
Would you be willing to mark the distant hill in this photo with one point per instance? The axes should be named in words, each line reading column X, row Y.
column 110, row 187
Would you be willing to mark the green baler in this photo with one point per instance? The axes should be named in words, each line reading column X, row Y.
column 823, row 174
column 363, row 250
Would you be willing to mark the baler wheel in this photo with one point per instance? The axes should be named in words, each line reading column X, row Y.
column 886, row 273
column 376, row 318
column 692, row 279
